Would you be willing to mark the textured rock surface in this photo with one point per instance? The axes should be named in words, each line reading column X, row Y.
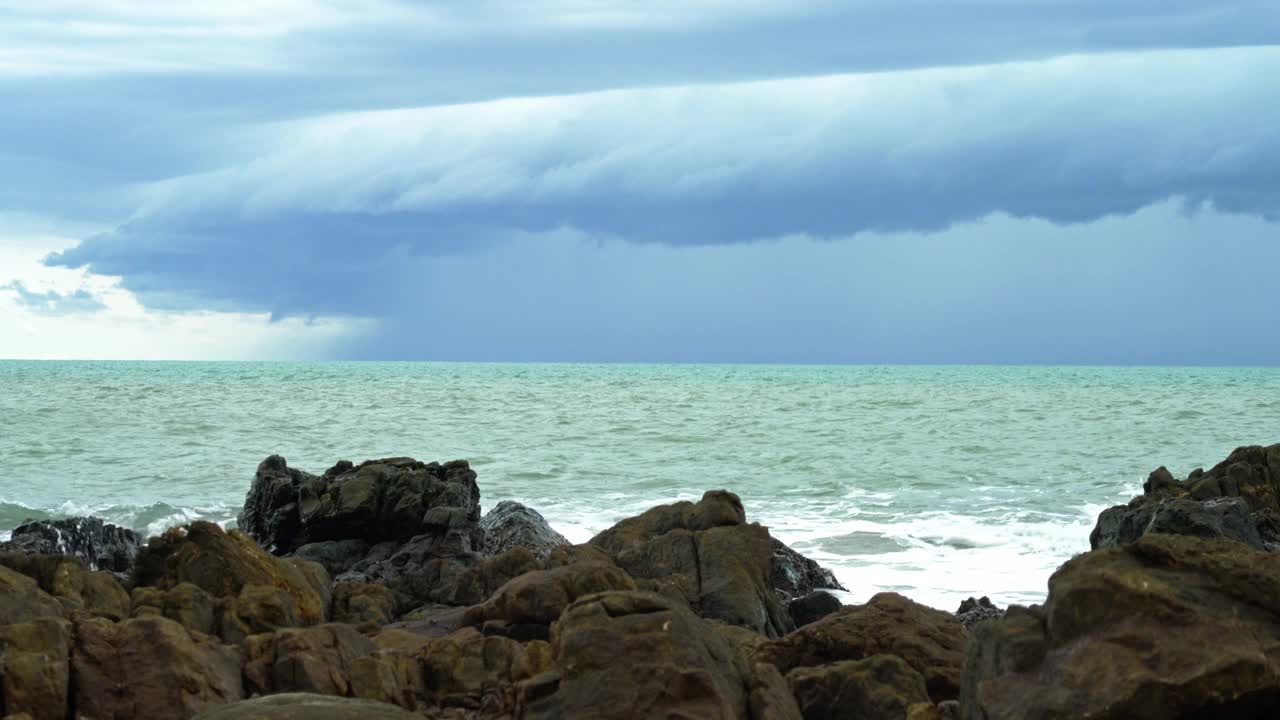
column 812, row 607
column 65, row 578
column 793, row 575
column 639, row 655
column 22, row 600
column 393, row 499
column 881, row 687
column 149, row 667
column 316, row 659
column 510, row 524
column 99, row 545
column 706, row 553
column 420, row 575
column 1166, row 627
column 930, row 641
column 259, row 592
column 1239, row 498
column 35, row 670
column 975, row 610
column 304, row 706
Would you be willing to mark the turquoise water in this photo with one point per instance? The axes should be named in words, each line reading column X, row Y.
column 938, row 482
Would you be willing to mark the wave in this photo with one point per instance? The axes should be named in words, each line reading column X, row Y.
column 151, row 519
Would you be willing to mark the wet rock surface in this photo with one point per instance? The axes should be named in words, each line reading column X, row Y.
column 975, row 610
column 510, row 524
column 97, row 544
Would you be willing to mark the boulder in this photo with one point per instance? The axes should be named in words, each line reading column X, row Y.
column 880, row 687
column 930, row 641
column 149, row 667
column 184, row 603
column 706, row 553
column 812, row 607
column 363, row 604
column 1166, row 627
column 97, row 544
column 793, row 575
column 22, row 600
column 339, row 556
column 1239, row 498
column 639, row 655
column 35, row 670
column 65, row 578
column 479, row 673
column 510, row 524
column 306, row 706
column 260, row 589
column 315, row 659
column 393, row 499
column 419, row 575
column 975, row 610
column 539, row 597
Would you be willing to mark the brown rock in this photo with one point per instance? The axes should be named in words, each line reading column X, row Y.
column 539, row 597
column 930, row 641
column 315, row 659
column 183, row 603
column 363, row 604
column 22, row 600
column 1167, row 627
column 67, row 579
column 881, row 687
column 35, row 668
column 303, row 706
column 150, row 667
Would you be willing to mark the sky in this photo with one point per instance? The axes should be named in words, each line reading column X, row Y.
column 790, row 181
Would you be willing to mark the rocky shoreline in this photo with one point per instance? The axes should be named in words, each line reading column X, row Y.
column 378, row 590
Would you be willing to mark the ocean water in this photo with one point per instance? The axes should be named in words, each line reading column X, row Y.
column 937, row 482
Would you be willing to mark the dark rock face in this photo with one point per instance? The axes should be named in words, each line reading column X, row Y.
column 705, row 553
column 975, row 610
column 393, row 499
column 422, row 573
column 1166, row 627
column 510, row 524
column 1238, row 499
column 794, row 575
column 307, row 706
column 930, row 641
column 99, row 545
column 881, row 687
column 812, row 607
column 639, row 655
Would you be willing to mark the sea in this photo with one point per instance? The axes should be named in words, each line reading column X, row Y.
column 938, row 482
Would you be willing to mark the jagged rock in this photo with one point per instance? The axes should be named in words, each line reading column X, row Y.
column 794, row 575
column 35, row 668
column 639, row 655
column 975, row 610
column 930, row 641
column 706, row 553
column 881, row 687
column 22, row 600
column 255, row 589
column 315, row 659
column 393, row 499
column 813, row 607
column 305, row 706
column 363, row 604
column 420, row 576
column 99, row 545
column 1239, row 498
column 1166, row 627
column 149, row 666
column 510, row 524
column 65, row 578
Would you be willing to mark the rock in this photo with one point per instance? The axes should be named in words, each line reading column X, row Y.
column 316, row 659
column 1239, row 498
column 184, row 603
column 338, row 556
column 975, row 610
column 478, row 672
column 812, row 607
column 363, row 604
column 427, row 622
column 794, row 575
column 99, row 545
column 706, row 553
column 1166, row 627
column 22, row 600
column 35, row 668
column 930, row 641
column 510, row 524
column 639, row 655
column 149, row 666
column 881, row 687
column 420, row 576
column 539, row 597
column 224, row 564
column 65, row 578
column 393, row 499
column 304, row 706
